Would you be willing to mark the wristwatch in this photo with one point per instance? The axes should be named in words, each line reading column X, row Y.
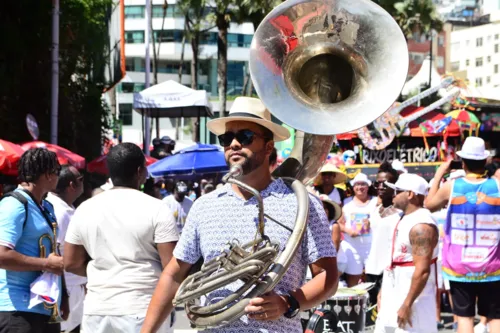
column 293, row 307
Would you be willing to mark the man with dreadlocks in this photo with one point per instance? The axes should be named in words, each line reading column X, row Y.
column 24, row 217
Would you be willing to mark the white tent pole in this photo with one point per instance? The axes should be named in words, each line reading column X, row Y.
column 147, row 37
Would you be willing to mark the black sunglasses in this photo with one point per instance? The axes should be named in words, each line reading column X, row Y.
column 245, row 137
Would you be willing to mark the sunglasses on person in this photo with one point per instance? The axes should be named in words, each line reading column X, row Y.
column 245, row 137
column 377, row 184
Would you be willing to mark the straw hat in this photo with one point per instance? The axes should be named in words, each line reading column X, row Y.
column 340, row 177
column 336, row 207
column 252, row 110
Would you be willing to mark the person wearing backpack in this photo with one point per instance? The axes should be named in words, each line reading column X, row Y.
column 24, row 217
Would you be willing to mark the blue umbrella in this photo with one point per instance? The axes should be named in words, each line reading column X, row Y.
column 193, row 160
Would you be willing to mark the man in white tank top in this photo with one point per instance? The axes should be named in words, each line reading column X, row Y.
column 408, row 302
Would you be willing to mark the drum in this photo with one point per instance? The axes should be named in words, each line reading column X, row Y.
column 349, row 307
column 322, row 321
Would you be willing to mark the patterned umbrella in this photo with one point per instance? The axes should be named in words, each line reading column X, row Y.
column 64, row 155
column 10, row 153
column 463, row 116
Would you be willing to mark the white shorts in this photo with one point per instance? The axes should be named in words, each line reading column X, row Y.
column 119, row 324
column 442, row 283
column 355, row 261
column 76, row 298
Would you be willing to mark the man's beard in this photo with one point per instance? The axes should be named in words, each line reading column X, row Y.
column 250, row 164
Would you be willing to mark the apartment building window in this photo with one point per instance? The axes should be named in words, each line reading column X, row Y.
column 440, row 62
column 488, row 79
column 455, row 66
column 479, row 82
column 479, row 62
column 496, row 48
column 488, row 59
column 126, row 114
column 479, row 41
column 239, row 40
column 467, row 62
column 134, row 12
column 168, row 35
column 172, row 11
column 134, row 37
column 496, row 36
column 441, row 40
column 495, row 69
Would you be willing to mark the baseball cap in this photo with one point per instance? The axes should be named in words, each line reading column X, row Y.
column 181, row 187
column 410, row 182
column 398, row 166
column 361, row 178
column 166, row 140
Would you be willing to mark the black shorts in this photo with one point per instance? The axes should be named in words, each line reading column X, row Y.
column 26, row 322
column 465, row 295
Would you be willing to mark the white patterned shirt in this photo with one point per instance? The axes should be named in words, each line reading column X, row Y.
column 222, row 216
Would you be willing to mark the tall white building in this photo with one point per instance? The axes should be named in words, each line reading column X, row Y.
column 474, row 52
column 239, row 39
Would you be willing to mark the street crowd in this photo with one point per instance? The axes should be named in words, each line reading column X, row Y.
column 114, row 263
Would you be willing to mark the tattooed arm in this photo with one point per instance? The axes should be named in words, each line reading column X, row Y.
column 423, row 239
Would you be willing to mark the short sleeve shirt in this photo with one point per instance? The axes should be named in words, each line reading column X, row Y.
column 119, row 229
column 23, row 238
column 221, row 216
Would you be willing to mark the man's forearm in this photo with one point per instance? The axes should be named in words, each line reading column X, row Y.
column 80, row 269
column 12, row 260
column 418, row 281
column 161, row 303
column 318, row 290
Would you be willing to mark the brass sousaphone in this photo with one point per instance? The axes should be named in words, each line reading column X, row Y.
column 323, row 67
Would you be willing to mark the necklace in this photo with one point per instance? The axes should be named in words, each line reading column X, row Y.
column 477, row 175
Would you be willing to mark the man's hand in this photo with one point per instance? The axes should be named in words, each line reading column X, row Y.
column 443, row 169
column 270, row 306
column 352, row 232
column 55, row 264
column 65, row 307
column 404, row 316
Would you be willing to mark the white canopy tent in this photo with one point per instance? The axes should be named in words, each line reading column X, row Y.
column 422, row 78
column 171, row 99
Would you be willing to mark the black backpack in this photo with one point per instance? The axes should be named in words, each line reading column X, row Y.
column 21, row 199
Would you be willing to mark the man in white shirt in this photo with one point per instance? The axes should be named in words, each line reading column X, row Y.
column 408, row 297
column 69, row 188
column 121, row 240
column 180, row 204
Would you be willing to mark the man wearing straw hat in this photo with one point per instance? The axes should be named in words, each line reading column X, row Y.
column 330, row 176
column 248, row 137
column 471, row 251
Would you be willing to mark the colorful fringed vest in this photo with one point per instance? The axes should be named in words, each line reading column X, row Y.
column 471, row 251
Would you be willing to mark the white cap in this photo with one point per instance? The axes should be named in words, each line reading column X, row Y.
column 410, row 182
column 398, row 166
column 473, row 149
column 361, row 178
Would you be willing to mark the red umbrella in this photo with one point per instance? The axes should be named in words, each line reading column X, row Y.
column 64, row 155
column 100, row 166
column 10, row 153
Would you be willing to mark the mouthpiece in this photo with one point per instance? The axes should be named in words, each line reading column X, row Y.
column 236, row 171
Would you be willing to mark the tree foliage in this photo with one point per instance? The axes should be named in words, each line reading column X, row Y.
column 25, row 71
column 413, row 16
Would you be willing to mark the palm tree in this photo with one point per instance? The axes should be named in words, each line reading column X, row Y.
column 222, row 12
column 253, row 11
column 415, row 17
